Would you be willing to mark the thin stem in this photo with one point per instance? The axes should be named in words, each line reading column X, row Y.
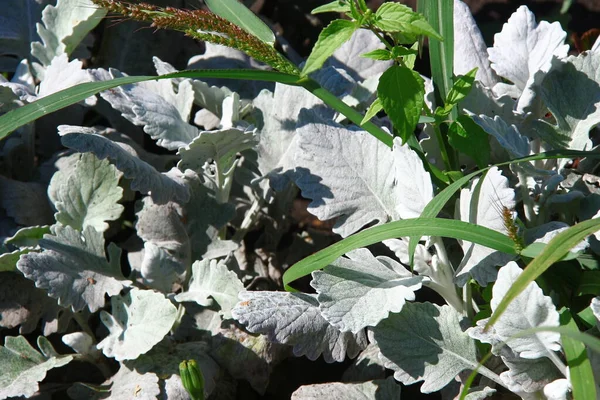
column 442, row 144
column 485, row 371
column 468, row 301
column 84, row 325
column 527, row 200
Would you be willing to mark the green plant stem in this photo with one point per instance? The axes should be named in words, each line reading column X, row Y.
column 443, row 147
column 468, row 300
column 84, row 325
column 332, row 101
column 530, row 217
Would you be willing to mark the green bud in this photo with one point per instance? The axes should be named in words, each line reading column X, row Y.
column 192, row 379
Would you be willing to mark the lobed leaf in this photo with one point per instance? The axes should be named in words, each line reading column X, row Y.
column 294, row 319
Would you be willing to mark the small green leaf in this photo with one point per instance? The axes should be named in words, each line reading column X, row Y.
column 363, row 5
column 396, row 17
column 378, row 54
column 589, row 283
column 238, row 14
column 333, row 36
column 374, row 108
column 401, row 92
column 554, row 251
column 340, row 6
column 469, row 138
column 462, row 87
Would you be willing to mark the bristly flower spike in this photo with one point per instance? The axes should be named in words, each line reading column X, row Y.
column 202, row 25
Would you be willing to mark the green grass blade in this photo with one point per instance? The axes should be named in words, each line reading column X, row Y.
column 580, row 368
column 434, row 207
column 440, row 15
column 407, row 227
column 238, row 14
column 553, row 252
column 30, row 112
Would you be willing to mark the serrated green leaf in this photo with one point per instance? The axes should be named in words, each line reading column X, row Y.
column 23, row 367
column 333, row 36
column 378, row 54
column 90, row 196
column 340, row 6
column 462, row 87
column 469, row 138
column 238, row 14
column 139, row 320
column 396, row 17
column 374, row 108
column 401, row 92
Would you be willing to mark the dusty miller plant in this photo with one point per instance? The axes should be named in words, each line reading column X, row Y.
column 238, row 156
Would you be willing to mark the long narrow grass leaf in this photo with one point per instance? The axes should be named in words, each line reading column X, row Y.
column 408, row 227
column 238, row 14
column 56, row 101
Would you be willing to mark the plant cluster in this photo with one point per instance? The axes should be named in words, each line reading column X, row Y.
column 475, row 189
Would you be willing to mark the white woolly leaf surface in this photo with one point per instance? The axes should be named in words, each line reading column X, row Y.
column 425, row 343
column 139, row 320
column 90, row 195
column 23, row 366
column 73, row 268
column 295, row 319
column 361, row 290
column 212, row 279
column 378, row 389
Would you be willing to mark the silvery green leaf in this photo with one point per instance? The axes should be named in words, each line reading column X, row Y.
column 62, row 74
column 154, row 105
column 28, row 236
column 378, row 389
column 205, row 216
column 277, row 125
column 25, row 202
column 167, row 248
column 140, row 319
column 17, row 30
column 596, row 47
column 23, row 367
column 480, row 393
column 509, row 137
column 422, row 258
column 81, row 342
column 558, row 389
column 128, row 383
column 351, row 187
column 361, row 290
column 215, row 153
column 525, row 48
column 90, row 196
column 212, row 279
column 24, row 305
column 348, row 56
column 8, row 260
column 569, row 92
column 163, row 360
column 294, row 319
column 425, row 343
column 246, row 356
column 73, row 268
column 595, row 305
column 545, row 232
column 367, row 366
column 527, row 375
column 528, row 310
column 484, row 206
column 64, row 27
column 162, row 187
column 206, row 96
column 482, row 100
column 470, row 50
column 221, row 57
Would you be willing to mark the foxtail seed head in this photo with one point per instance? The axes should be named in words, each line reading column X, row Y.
column 202, row 25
